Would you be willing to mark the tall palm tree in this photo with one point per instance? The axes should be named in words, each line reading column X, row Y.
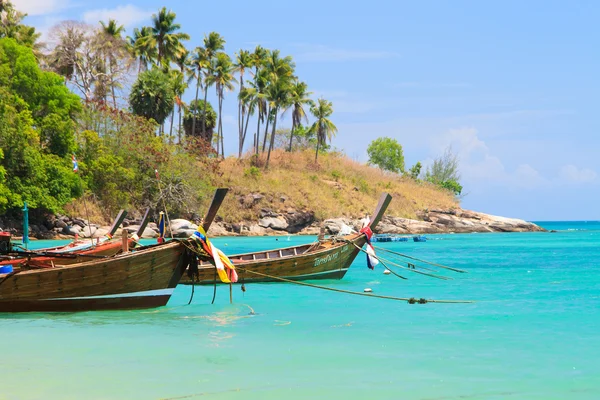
column 243, row 62
column 213, row 43
column 199, row 63
column 299, row 98
column 165, row 35
column 259, row 57
column 113, row 47
column 280, row 73
column 222, row 78
column 323, row 127
column 142, row 47
column 180, row 84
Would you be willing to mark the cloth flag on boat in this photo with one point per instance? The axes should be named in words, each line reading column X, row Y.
column 225, row 267
column 75, row 166
column 372, row 260
column 161, row 227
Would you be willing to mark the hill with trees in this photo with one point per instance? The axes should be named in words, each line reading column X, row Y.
column 113, row 106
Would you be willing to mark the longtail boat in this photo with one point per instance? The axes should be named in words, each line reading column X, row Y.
column 325, row 259
column 139, row 279
column 142, row 278
column 77, row 251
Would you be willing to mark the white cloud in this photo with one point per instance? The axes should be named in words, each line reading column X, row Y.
column 128, row 15
column 321, row 53
column 571, row 174
column 478, row 163
column 40, row 7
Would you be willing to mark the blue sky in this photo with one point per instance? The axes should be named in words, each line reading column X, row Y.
column 512, row 86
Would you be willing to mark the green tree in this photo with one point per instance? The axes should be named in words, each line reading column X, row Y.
column 322, row 127
column 243, row 62
column 298, row 100
column 387, row 154
column 199, row 64
column 415, row 171
column 152, row 95
column 36, row 133
column 165, row 36
column 195, row 110
column 141, row 47
column 278, row 92
column 222, row 78
column 213, row 43
column 115, row 56
column 444, row 172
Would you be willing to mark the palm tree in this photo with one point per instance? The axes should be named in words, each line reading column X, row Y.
column 165, row 35
column 180, row 84
column 323, row 127
column 259, row 57
column 280, row 72
column 243, row 61
column 142, row 47
column 299, row 99
column 212, row 44
column 222, row 78
column 199, row 63
column 113, row 47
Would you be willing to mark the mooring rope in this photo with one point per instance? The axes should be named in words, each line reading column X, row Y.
column 424, row 261
column 384, row 261
column 409, row 300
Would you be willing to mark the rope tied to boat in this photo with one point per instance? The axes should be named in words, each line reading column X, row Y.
column 409, row 300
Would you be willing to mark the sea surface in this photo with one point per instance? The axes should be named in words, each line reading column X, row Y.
column 532, row 333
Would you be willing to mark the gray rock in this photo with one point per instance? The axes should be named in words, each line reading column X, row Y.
column 278, row 223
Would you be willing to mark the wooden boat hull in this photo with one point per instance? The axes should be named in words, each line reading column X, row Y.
column 330, row 260
column 66, row 257
column 139, row 279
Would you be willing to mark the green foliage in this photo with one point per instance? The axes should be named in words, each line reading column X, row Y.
column 444, row 172
column 198, row 106
column 386, row 153
column 36, row 133
column 118, row 162
column 336, row 175
column 152, row 95
column 252, row 172
column 452, row 186
column 415, row 171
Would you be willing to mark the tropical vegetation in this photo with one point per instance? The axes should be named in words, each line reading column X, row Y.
column 117, row 104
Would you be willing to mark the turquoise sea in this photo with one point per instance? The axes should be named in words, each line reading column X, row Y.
column 533, row 333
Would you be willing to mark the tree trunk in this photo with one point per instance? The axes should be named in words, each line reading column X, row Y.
column 220, row 127
column 244, row 135
column 266, row 130
column 171, row 128
column 292, row 132
column 272, row 141
column 204, row 110
column 257, row 134
column 317, row 152
column 179, row 129
column 196, row 103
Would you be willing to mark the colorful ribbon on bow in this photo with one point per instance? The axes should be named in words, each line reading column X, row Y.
column 225, row 267
column 372, row 260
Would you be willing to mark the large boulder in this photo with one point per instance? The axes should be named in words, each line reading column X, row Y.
column 276, row 223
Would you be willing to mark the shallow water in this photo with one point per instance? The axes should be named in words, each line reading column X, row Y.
column 532, row 334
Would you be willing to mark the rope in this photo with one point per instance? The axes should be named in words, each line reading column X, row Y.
column 215, row 287
column 192, row 295
column 409, row 300
column 445, row 278
column 381, row 259
column 417, row 259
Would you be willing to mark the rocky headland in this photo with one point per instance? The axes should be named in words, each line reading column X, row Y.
column 291, row 221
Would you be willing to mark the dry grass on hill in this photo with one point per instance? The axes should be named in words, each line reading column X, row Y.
column 336, row 187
